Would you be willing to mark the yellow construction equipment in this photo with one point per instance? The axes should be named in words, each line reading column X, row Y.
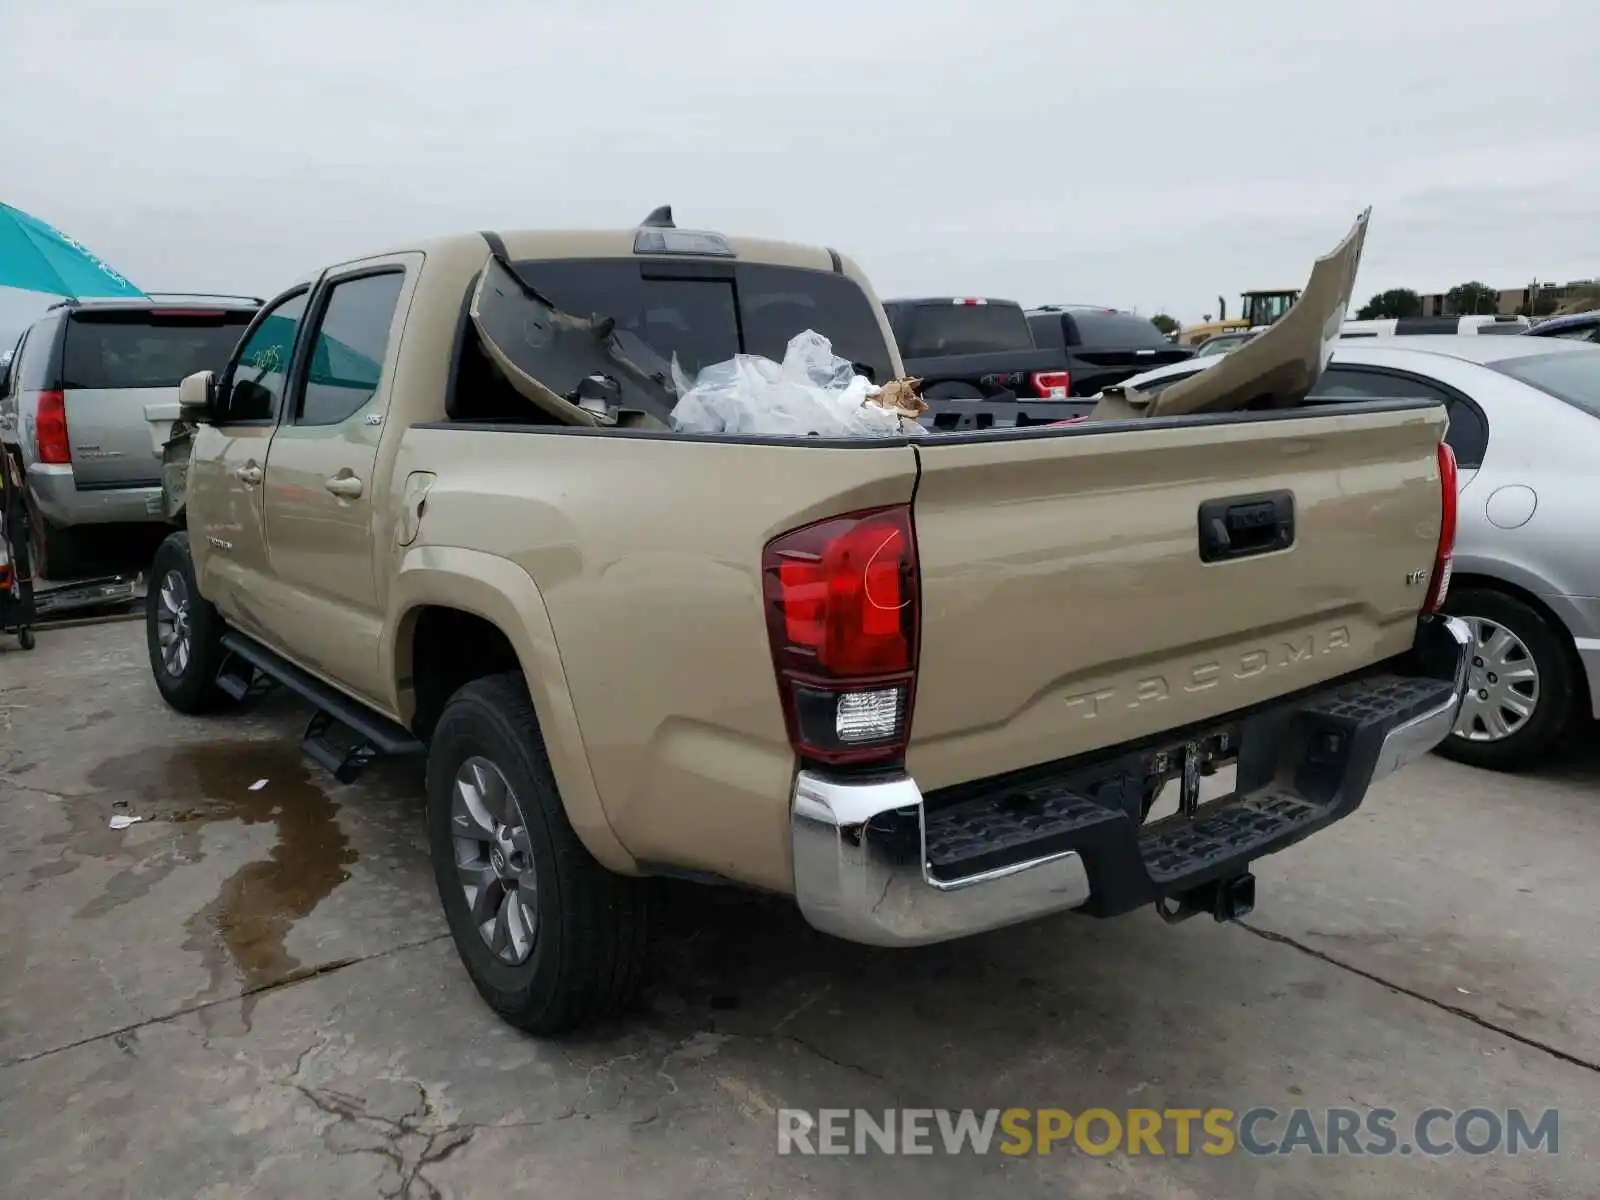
column 1257, row 310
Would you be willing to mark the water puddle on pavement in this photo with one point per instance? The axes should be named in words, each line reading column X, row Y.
column 241, row 934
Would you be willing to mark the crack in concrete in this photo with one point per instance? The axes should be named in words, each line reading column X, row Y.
column 290, row 980
column 358, row 1129
column 828, row 1058
column 1455, row 1010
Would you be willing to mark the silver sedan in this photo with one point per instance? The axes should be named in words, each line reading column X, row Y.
column 1525, row 428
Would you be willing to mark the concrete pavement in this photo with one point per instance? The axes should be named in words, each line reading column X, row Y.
column 250, row 993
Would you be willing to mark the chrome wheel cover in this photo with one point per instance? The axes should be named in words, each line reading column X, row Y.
column 1502, row 684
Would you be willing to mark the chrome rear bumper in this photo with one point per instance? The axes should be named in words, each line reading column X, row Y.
column 1413, row 739
column 858, row 878
column 862, row 868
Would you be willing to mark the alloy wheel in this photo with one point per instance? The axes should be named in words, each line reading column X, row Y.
column 172, row 623
column 494, row 860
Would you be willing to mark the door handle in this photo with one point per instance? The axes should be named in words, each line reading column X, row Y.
column 249, row 473
column 347, row 487
column 1242, row 526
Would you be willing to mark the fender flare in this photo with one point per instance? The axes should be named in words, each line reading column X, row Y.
column 502, row 593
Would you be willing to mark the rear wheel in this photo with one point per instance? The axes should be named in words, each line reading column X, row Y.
column 183, row 632
column 549, row 937
column 1521, row 688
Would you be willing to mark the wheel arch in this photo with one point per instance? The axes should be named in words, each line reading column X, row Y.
column 491, row 611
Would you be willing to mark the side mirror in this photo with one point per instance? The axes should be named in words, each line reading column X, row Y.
column 197, row 397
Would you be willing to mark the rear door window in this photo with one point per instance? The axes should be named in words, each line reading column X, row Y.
column 1346, row 383
column 940, row 329
column 705, row 315
column 1468, row 435
column 1119, row 329
column 140, row 348
column 352, row 341
column 1047, row 331
column 31, row 371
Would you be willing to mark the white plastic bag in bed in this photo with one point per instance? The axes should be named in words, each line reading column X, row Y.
column 812, row 392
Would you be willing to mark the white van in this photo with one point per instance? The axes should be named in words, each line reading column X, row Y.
column 1393, row 327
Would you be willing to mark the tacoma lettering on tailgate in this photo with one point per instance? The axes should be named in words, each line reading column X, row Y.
column 1151, row 689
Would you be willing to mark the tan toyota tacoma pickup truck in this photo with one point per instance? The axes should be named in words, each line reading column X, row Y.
column 927, row 685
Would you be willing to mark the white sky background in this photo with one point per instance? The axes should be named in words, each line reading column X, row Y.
column 1151, row 155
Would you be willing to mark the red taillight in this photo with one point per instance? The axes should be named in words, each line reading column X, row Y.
column 1444, row 557
column 1052, row 385
column 50, row 429
column 842, row 598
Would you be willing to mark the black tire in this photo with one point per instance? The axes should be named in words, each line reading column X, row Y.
column 1554, row 704
column 192, row 687
column 591, row 926
column 25, row 639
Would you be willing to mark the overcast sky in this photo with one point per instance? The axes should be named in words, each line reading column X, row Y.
column 1151, row 154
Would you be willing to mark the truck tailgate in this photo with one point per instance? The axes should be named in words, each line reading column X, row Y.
column 1067, row 606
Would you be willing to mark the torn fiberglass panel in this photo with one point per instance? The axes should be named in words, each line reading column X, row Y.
column 547, row 353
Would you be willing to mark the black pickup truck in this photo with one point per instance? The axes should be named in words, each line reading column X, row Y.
column 988, row 362
column 1101, row 346
column 979, row 364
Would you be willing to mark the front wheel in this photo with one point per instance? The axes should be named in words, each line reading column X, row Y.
column 549, row 937
column 1521, row 687
column 183, row 632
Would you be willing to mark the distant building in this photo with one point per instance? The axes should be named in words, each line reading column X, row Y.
column 1546, row 297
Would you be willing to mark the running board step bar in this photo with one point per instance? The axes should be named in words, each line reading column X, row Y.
column 239, row 678
column 369, row 733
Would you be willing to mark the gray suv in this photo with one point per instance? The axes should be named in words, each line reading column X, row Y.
column 85, row 401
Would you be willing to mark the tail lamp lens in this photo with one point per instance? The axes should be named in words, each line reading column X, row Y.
column 50, row 429
column 843, row 607
column 1444, row 556
column 1052, row 385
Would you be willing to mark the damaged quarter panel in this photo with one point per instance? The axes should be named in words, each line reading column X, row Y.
column 646, row 552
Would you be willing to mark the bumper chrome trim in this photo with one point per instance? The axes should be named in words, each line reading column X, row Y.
column 1416, row 738
column 860, row 847
column 854, row 882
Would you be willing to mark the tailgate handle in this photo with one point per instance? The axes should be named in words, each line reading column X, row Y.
column 1242, row 526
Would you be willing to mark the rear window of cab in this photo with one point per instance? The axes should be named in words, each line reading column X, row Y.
column 707, row 313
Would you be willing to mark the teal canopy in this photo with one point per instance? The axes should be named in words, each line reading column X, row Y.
column 35, row 257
